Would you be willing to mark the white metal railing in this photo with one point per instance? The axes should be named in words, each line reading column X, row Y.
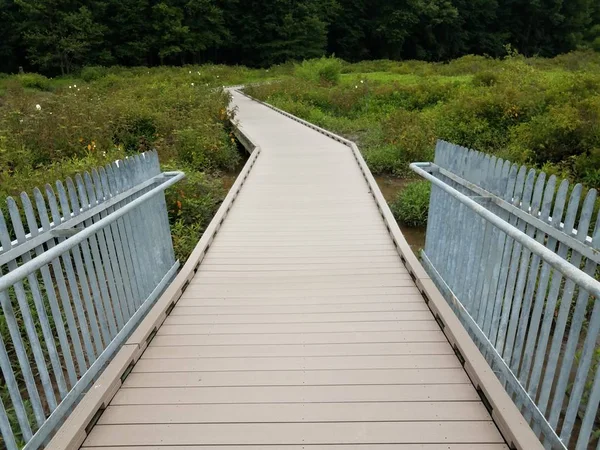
column 80, row 265
column 526, row 290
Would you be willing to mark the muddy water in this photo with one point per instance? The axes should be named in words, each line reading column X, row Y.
column 389, row 187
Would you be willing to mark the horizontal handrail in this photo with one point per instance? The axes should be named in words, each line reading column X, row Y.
column 578, row 276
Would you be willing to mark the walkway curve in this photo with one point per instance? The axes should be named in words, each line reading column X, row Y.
column 307, row 323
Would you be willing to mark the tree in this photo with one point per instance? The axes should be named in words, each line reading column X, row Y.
column 59, row 33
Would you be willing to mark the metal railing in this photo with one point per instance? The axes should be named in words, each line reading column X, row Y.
column 514, row 260
column 80, row 265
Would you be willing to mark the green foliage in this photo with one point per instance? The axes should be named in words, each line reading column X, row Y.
column 411, row 205
column 62, row 37
column 323, row 70
column 34, row 81
column 485, row 79
column 93, row 73
column 536, row 111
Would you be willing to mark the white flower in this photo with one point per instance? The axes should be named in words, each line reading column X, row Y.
column 198, row 73
column 21, row 121
column 355, row 87
column 77, row 88
column 38, row 107
column 74, row 85
column 361, row 81
column 70, row 87
column 190, row 71
column 192, row 84
column 217, row 76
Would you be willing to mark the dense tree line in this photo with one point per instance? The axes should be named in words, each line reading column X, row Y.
column 54, row 36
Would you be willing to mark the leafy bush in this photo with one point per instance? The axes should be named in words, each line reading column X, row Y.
column 93, row 73
column 485, row 79
column 411, row 205
column 322, row 70
column 34, row 81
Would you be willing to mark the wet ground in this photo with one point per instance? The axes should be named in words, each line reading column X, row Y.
column 390, row 187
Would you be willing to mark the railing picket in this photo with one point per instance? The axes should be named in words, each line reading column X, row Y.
column 112, row 302
column 30, row 328
column 94, row 265
column 15, row 335
column 521, row 304
column 89, row 283
column 6, row 430
column 36, row 293
column 129, row 280
column 515, row 198
column 57, row 269
column 510, row 302
column 577, row 320
column 12, row 387
column 74, row 285
column 590, row 415
column 116, row 250
column 65, row 350
column 561, row 324
column 532, row 283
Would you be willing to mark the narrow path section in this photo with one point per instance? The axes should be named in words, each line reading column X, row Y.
column 301, row 329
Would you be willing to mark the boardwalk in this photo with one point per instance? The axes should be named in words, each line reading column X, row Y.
column 301, row 329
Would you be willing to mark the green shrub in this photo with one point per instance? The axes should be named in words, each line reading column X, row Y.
column 322, row 70
column 34, row 81
column 191, row 204
column 93, row 73
column 411, row 205
column 485, row 79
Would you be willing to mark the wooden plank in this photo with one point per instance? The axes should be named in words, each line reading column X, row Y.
column 294, row 412
column 203, row 292
column 298, row 433
column 461, row 446
column 247, row 351
column 293, row 328
column 300, row 318
column 191, row 296
column 295, row 394
column 352, row 265
column 298, row 378
column 295, row 278
column 162, row 339
column 194, row 307
column 295, row 363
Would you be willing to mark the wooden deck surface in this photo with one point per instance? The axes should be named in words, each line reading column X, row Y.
column 302, row 328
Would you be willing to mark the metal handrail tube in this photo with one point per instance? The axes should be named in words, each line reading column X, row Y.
column 578, row 276
column 6, row 281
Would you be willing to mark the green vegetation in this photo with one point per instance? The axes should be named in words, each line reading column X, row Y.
column 411, row 205
column 541, row 112
column 62, row 37
column 52, row 129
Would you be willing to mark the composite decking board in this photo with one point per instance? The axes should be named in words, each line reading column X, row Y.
column 298, row 339
column 295, row 328
column 194, row 309
column 301, row 329
column 461, row 446
column 298, row 378
column 205, row 351
column 298, row 363
column 296, row 394
column 296, row 433
column 294, row 412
